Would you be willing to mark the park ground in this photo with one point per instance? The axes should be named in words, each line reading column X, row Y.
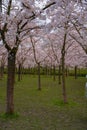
column 45, row 110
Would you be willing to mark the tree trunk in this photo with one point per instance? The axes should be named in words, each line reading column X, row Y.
column 63, row 70
column 59, row 74
column 51, row 71
column 75, row 72
column 39, row 78
column 10, row 83
column 54, row 76
column 63, row 80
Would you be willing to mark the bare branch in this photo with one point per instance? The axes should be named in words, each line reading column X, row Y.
column 47, row 6
column 79, row 43
column 9, row 7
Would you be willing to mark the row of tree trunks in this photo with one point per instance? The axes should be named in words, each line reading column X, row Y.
column 11, row 80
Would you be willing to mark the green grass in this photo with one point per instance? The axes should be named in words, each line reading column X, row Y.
column 45, row 110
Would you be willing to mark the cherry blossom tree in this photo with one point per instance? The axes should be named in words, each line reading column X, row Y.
column 63, row 15
column 38, row 56
column 75, row 56
column 80, row 25
column 21, row 58
column 16, row 21
column 53, row 51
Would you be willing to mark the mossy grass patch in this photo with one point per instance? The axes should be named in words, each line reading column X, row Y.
column 9, row 116
column 61, row 103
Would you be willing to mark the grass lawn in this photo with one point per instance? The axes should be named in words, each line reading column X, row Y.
column 44, row 110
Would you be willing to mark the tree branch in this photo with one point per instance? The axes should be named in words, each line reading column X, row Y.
column 79, row 43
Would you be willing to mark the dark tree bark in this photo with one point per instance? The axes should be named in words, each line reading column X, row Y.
column 46, row 68
column 51, row 71
column 10, row 83
column 54, row 76
column 63, row 80
column 39, row 77
column 63, row 70
column 75, row 72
